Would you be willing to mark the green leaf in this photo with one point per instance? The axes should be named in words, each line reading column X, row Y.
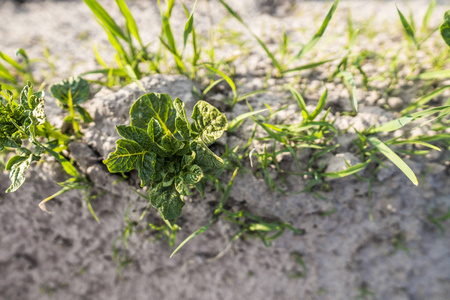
column 145, row 166
column 5, row 74
column 181, row 186
column 408, row 29
column 320, row 105
column 153, row 105
column 136, row 134
column 320, row 32
column 445, row 28
column 189, row 25
column 171, row 144
column 349, row 171
column 205, row 157
column 181, row 122
column 85, row 116
column 425, row 99
column 131, row 23
column 209, row 123
column 78, row 87
column 428, row 14
column 440, row 74
column 192, row 175
column 400, row 122
column 300, row 101
column 236, row 122
column 394, row 158
column 348, row 77
column 12, row 62
column 132, row 74
column 105, row 19
column 17, row 166
column 393, row 125
column 67, row 166
column 227, row 79
column 187, row 160
column 166, row 200
column 155, row 131
column 125, row 157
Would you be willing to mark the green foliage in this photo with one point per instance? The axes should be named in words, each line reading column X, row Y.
column 75, row 88
column 14, row 75
column 127, row 60
column 409, row 30
column 280, row 66
column 19, row 121
column 445, row 28
column 70, row 93
column 161, row 138
column 25, row 120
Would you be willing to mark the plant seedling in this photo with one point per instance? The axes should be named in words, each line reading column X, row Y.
column 169, row 153
column 26, row 120
column 70, row 94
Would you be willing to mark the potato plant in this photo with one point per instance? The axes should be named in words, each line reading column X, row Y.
column 169, row 153
column 25, row 120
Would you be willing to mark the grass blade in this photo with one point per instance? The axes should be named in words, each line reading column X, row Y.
column 319, row 33
column 440, row 74
column 407, row 27
column 417, row 142
column 236, row 122
column 400, row 122
column 167, row 30
column 308, row 66
column 393, row 125
column 428, row 15
column 133, row 77
column 300, row 101
column 131, row 23
column 320, row 105
column 12, row 62
column 217, row 212
column 243, row 97
column 189, row 25
column 348, row 77
column 260, row 42
column 227, row 79
column 347, row 172
column 193, row 235
column 105, row 18
column 425, row 99
column 394, row 158
column 211, row 85
column 115, row 43
column 111, row 71
column 5, row 74
column 98, row 57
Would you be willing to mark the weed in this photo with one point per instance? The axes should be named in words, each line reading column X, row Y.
column 282, row 67
column 437, row 221
column 18, row 75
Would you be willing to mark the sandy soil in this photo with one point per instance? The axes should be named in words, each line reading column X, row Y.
column 361, row 246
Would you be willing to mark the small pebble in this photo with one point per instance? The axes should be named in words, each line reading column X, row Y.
column 395, row 103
